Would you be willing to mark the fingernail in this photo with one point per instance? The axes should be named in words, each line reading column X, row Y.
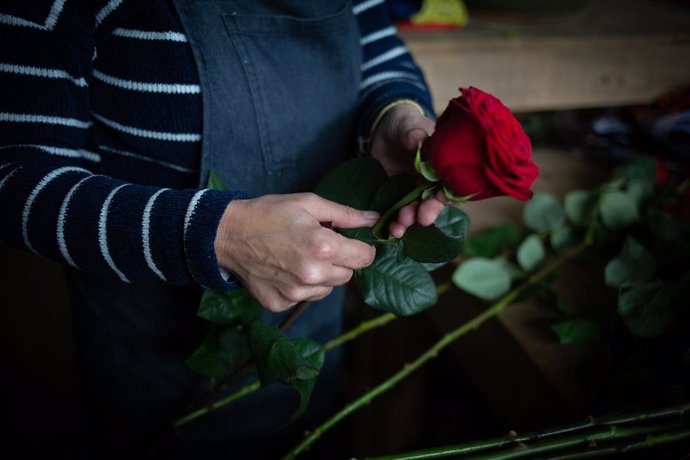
column 371, row 215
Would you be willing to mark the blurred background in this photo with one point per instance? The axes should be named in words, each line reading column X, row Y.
column 594, row 83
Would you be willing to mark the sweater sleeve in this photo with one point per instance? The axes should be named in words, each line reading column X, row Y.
column 389, row 72
column 52, row 201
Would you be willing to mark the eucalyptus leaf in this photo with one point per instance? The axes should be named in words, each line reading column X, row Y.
column 490, row 242
column 485, row 278
column 228, row 307
column 543, row 211
column 391, row 191
column 647, row 310
column 531, row 253
column 632, row 266
column 641, row 169
column 561, row 237
column 400, row 287
column 580, row 206
column 430, row 244
column 618, row 210
column 578, row 331
column 353, row 182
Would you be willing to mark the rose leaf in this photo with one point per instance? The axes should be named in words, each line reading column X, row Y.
column 228, row 307
column 400, row 287
column 647, row 310
column 578, row 331
column 353, row 182
column 392, row 191
column 490, row 242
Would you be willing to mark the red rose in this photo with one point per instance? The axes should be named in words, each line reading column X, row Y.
column 478, row 148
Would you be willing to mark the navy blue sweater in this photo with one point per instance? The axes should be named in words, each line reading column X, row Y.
column 100, row 128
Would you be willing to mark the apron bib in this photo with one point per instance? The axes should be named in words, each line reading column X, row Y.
column 279, row 86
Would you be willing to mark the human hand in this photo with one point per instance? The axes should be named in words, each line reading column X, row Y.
column 394, row 144
column 277, row 247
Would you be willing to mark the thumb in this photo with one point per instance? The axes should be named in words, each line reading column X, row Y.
column 342, row 216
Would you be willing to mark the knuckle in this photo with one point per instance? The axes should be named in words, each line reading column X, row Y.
column 292, row 295
column 275, row 305
column 321, row 249
column 309, row 274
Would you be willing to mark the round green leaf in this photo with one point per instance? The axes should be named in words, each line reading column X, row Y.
column 580, row 206
column 543, row 211
column 402, row 287
column 531, row 253
column 490, row 242
column 488, row 279
column 618, row 210
column 561, row 237
column 634, row 265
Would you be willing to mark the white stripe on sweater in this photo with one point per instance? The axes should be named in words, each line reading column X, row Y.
column 48, row 25
column 357, row 9
column 41, row 72
column 145, row 158
column 165, row 88
column 158, row 135
column 378, row 35
column 62, row 243
column 150, row 35
column 8, row 176
column 146, row 235
column 106, row 10
column 393, row 75
column 103, row 233
column 384, row 57
column 190, row 210
column 47, row 119
column 61, row 151
column 32, row 197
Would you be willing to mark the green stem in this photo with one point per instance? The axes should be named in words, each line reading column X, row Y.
column 359, row 330
column 652, row 416
column 430, row 353
column 216, row 404
column 404, row 201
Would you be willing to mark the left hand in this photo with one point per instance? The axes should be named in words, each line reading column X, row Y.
column 394, row 144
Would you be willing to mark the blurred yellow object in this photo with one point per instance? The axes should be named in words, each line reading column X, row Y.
column 441, row 13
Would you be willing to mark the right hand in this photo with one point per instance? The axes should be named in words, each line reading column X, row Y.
column 277, row 247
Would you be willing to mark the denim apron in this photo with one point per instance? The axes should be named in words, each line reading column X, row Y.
column 279, row 84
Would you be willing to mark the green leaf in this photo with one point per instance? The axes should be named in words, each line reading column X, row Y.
column 640, row 169
column 233, row 344
column 580, row 206
column 228, row 307
column 647, row 309
column 490, row 242
column 561, row 237
column 362, row 234
column 487, row 279
column 207, row 359
column 451, row 221
column 634, row 265
column 578, row 331
column 664, row 225
column 682, row 288
column 429, row 244
column 543, row 212
column 424, row 168
column 353, row 183
column 403, row 288
column 531, row 253
column 618, row 210
column 391, row 191
column 295, row 362
column 214, row 182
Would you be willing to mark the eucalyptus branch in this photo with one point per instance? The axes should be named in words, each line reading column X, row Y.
column 581, row 431
column 432, row 352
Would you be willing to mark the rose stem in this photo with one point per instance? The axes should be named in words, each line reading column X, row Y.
column 430, row 353
column 513, row 441
column 404, row 201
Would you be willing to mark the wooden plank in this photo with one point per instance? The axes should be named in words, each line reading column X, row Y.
column 614, row 53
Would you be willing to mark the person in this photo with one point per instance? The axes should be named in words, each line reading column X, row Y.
column 112, row 115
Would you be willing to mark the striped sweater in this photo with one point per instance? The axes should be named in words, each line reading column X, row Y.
column 100, row 128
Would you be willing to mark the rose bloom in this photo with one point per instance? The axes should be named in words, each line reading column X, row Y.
column 478, row 148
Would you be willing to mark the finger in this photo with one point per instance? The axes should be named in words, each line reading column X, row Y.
column 354, row 254
column 406, row 217
column 319, row 295
column 324, row 274
column 339, row 215
column 295, row 294
column 413, row 138
column 428, row 211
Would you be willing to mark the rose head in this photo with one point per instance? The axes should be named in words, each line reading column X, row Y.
column 478, row 148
